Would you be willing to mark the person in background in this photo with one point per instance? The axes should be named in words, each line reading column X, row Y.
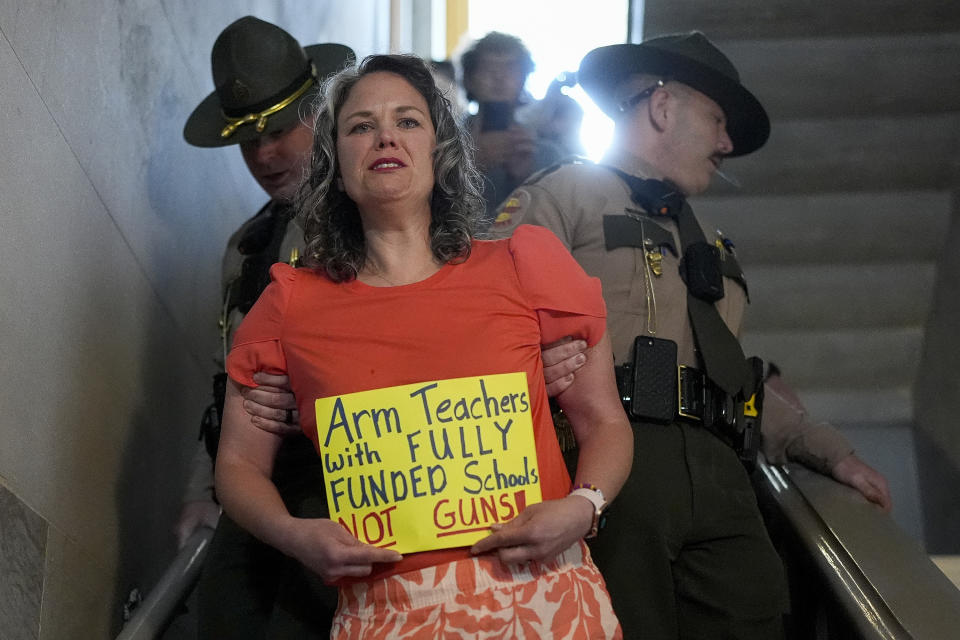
column 445, row 74
column 264, row 79
column 390, row 208
column 493, row 71
column 557, row 117
column 685, row 552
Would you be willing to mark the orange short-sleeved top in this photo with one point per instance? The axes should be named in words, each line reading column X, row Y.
column 487, row 315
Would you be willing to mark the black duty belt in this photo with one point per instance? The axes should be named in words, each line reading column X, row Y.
column 698, row 400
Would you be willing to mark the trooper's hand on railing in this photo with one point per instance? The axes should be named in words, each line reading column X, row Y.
column 195, row 514
column 272, row 405
column 858, row 474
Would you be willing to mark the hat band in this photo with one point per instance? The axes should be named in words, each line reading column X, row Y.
column 260, row 117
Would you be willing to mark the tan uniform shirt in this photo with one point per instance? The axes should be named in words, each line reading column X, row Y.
column 233, row 262
column 200, row 483
column 572, row 201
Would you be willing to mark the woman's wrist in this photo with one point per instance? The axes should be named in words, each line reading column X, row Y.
column 594, row 496
column 289, row 536
column 585, row 512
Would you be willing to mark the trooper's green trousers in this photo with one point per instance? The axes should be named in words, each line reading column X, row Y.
column 685, row 553
column 250, row 590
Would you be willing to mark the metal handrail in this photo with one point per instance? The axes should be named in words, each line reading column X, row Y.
column 153, row 615
column 880, row 578
column 885, row 584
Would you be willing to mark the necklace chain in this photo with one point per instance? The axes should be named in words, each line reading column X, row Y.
column 377, row 272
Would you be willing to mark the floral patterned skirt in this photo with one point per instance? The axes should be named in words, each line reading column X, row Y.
column 480, row 597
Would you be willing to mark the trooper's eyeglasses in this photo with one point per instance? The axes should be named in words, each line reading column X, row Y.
column 630, row 103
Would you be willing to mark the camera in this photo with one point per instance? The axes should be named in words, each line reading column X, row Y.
column 495, row 116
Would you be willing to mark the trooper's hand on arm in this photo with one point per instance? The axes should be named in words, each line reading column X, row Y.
column 271, row 405
column 858, row 474
column 244, row 467
column 561, row 360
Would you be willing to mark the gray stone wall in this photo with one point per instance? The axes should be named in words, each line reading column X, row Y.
column 112, row 231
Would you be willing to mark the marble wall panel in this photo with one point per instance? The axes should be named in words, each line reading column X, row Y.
column 78, row 596
column 143, row 66
column 23, row 542
column 83, row 333
column 100, row 415
column 120, row 106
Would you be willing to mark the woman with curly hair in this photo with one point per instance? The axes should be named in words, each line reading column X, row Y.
column 398, row 292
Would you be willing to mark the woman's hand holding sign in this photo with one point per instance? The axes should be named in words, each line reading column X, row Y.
column 540, row 532
column 244, row 468
column 595, row 412
column 329, row 550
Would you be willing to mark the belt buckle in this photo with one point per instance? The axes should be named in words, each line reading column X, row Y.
column 690, row 402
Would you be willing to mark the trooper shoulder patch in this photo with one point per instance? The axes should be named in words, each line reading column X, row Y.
column 511, row 212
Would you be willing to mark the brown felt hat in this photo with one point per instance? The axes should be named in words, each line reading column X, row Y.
column 262, row 76
column 689, row 58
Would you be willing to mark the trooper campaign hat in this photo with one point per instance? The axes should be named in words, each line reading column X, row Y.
column 262, row 77
column 689, row 58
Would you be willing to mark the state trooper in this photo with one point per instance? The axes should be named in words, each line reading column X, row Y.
column 264, row 81
column 685, row 552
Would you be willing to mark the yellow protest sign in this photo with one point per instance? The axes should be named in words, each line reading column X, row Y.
column 429, row 465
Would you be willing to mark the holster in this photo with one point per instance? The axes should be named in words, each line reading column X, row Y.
column 213, row 416
column 747, row 436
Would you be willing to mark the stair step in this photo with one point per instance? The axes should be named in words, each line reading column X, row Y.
column 788, row 18
column 856, row 407
column 883, row 357
column 874, row 65
column 849, row 154
column 843, row 296
column 870, row 227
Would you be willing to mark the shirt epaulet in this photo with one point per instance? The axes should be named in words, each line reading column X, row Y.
column 540, row 175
